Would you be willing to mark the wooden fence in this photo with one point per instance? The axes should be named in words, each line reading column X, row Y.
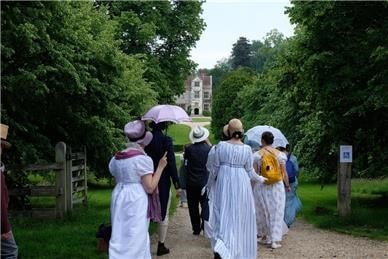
column 70, row 182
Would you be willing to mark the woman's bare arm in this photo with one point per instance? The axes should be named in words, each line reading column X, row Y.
column 150, row 181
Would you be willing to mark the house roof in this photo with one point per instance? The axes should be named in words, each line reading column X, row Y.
column 206, row 80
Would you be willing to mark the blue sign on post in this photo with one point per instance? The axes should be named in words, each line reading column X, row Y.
column 346, row 154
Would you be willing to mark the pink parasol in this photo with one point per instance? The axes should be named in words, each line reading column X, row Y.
column 166, row 112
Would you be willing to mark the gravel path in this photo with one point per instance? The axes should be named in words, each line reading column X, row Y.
column 303, row 241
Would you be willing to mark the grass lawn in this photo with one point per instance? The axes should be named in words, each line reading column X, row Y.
column 201, row 119
column 211, row 135
column 369, row 208
column 179, row 133
column 73, row 237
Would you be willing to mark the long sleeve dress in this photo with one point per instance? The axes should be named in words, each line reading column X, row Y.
column 231, row 204
column 130, row 238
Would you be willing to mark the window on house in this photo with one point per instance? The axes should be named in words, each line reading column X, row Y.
column 196, row 94
column 196, row 83
column 206, row 106
column 205, row 94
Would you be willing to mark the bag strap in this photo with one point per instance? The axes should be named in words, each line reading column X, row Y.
column 268, row 151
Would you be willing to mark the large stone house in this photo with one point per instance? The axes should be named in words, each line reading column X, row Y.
column 197, row 97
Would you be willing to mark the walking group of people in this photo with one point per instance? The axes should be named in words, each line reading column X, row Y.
column 245, row 197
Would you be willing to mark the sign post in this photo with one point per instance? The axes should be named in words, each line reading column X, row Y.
column 344, row 181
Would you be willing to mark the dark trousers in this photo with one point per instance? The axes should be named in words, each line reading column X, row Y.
column 194, row 199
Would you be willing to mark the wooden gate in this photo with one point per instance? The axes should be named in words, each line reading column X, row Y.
column 76, row 179
column 70, row 182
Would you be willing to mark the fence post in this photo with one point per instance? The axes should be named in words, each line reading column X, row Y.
column 86, row 179
column 60, row 184
column 344, row 181
column 69, row 180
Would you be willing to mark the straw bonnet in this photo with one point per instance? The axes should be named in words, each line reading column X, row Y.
column 198, row 134
column 4, row 134
column 136, row 132
column 235, row 125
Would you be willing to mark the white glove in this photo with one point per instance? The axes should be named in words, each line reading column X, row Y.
column 259, row 178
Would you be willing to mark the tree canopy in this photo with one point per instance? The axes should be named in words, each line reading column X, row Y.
column 71, row 72
column 326, row 85
column 162, row 32
column 241, row 53
column 226, row 103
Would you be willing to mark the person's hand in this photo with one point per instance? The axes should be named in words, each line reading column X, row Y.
column 288, row 189
column 208, row 142
column 261, row 179
column 163, row 161
column 6, row 236
column 178, row 192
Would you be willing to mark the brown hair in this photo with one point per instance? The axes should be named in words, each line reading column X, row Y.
column 267, row 137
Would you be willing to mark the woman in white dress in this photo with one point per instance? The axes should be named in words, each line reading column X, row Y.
column 134, row 173
column 231, row 205
column 270, row 198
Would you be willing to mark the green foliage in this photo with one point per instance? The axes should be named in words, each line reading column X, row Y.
column 325, row 86
column 241, row 53
column 189, row 110
column 206, row 113
column 211, row 137
column 219, row 71
column 257, row 56
column 341, row 81
column 226, row 102
column 163, row 32
column 64, row 77
column 264, row 53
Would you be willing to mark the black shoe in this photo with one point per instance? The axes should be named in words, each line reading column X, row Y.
column 217, row 256
column 162, row 250
column 196, row 233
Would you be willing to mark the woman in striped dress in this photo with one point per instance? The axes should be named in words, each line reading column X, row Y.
column 231, row 204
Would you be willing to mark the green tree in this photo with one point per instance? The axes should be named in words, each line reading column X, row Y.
column 219, row 71
column 226, row 101
column 342, row 54
column 326, row 87
column 264, row 53
column 163, row 32
column 241, row 53
column 64, row 78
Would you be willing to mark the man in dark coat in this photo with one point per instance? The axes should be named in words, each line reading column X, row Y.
column 196, row 177
column 159, row 145
column 9, row 248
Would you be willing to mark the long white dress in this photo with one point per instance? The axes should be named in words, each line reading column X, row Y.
column 130, row 238
column 270, row 203
column 231, row 205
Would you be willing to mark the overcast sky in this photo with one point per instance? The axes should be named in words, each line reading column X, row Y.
column 228, row 20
